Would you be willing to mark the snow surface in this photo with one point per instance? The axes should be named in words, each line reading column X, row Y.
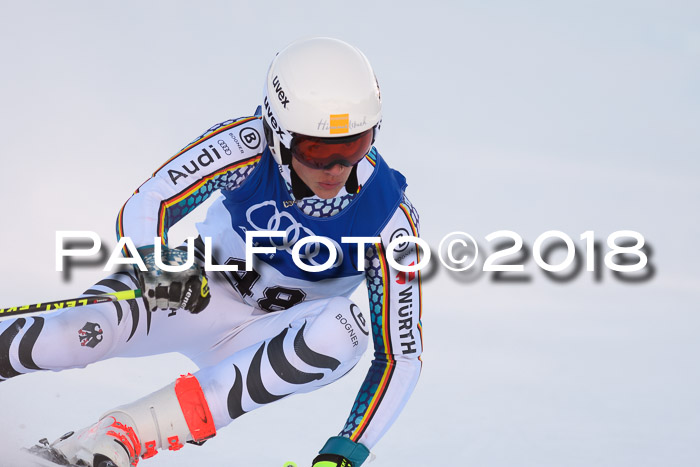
column 523, row 116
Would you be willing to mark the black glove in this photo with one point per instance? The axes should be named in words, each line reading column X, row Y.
column 331, row 460
column 164, row 290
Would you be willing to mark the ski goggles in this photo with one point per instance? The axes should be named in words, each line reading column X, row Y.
column 322, row 153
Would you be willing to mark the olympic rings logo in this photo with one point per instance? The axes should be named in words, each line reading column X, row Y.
column 293, row 232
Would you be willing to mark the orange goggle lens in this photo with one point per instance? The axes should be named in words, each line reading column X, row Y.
column 322, row 153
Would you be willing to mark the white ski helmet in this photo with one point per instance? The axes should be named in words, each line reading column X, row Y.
column 321, row 88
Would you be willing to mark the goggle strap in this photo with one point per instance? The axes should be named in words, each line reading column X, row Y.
column 286, row 155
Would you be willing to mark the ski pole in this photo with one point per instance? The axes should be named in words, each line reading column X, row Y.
column 70, row 303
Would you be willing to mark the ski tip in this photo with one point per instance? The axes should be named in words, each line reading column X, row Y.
column 39, row 455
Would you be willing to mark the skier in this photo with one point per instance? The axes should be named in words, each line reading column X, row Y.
column 303, row 165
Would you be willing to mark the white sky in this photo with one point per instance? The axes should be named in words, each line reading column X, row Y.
column 503, row 115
